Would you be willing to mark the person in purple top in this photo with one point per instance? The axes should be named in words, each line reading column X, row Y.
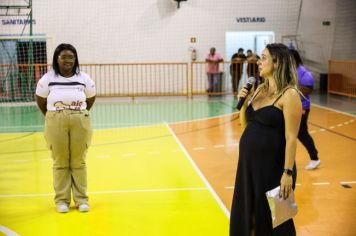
column 306, row 84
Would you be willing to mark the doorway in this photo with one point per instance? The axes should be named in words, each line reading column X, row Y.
column 254, row 40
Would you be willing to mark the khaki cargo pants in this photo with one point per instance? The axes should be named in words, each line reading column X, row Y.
column 68, row 135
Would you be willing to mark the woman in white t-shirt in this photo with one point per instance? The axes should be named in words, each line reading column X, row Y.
column 65, row 96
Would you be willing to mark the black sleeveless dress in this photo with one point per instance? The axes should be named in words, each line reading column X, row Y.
column 260, row 168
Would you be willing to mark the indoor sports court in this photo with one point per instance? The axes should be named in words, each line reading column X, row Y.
column 165, row 146
column 167, row 174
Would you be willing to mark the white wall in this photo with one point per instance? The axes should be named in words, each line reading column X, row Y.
column 153, row 30
column 156, row 31
column 315, row 39
column 345, row 30
column 320, row 43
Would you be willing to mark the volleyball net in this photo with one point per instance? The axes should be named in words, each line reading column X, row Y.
column 23, row 60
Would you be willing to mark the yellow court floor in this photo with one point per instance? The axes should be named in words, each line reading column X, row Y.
column 141, row 182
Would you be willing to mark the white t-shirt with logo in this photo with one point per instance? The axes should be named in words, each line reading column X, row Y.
column 65, row 93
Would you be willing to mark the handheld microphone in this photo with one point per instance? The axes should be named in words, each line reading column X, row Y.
column 250, row 82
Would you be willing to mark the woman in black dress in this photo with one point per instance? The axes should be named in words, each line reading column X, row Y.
column 271, row 119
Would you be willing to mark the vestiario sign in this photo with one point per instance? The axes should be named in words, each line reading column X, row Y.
column 251, row 19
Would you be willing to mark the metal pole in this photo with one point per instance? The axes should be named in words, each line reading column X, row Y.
column 31, row 79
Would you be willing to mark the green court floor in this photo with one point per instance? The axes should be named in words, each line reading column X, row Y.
column 27, row 118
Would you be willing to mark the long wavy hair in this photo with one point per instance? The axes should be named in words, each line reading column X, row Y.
column 285, row 73
column 59, row 49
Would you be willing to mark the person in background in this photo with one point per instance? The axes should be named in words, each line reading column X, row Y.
column 267, row 148
column 213, row 59
column 65, row 95
column 252, row 67
column 306, row 85
column 236, row 68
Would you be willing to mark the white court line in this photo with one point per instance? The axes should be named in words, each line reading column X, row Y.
column 348, row 182
column 18, row 104
column 128, row 125
column 129, row 154
column 204, row 119
column 7, row 231
column 211, row 190
column 141, row 125
column 232, row 187
column 149, row 190
column 106, row 126
column 338, row 125
column 233, row 144
column 22, row 126
column 330, row 109
column 109, row 192
column 219, row 146
column 321, row 183
column 198, row 148
column 26, row 195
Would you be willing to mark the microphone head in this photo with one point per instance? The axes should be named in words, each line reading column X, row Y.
column 251, row 80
